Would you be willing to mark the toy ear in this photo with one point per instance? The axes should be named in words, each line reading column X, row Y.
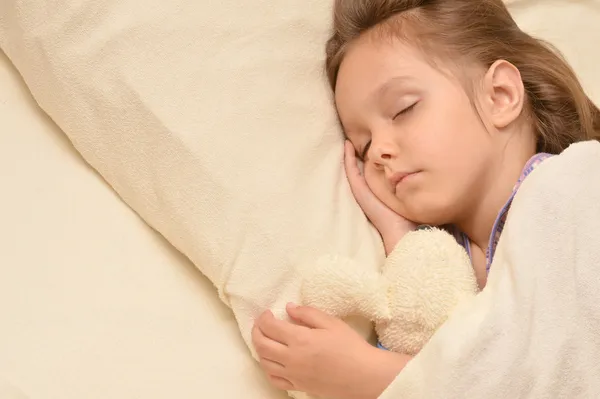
column 341, row 287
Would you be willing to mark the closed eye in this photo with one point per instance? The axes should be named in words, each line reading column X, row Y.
column 405, row 111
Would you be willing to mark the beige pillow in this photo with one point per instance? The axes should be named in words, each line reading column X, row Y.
column 212, row 120
column 93, row 305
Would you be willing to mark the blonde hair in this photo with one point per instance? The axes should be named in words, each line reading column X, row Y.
column 480, row 31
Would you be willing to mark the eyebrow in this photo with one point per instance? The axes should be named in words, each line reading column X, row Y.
column 385, row 87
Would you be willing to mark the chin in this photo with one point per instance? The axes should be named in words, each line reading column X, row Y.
column 424, row 214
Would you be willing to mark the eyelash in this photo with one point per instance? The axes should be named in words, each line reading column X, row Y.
column 404, row 111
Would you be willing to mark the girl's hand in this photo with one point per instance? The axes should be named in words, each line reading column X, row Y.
column 391, row 226
column 322, row 356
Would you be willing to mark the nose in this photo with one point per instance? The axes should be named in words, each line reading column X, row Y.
column 383, row 147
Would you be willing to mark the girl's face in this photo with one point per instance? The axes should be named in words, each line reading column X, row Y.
column 426, row 151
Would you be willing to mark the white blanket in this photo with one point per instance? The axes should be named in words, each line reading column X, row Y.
column 534, row 331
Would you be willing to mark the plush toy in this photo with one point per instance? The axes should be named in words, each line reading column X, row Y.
column 426, row 276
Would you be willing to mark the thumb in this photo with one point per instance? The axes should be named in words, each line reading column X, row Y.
column 310, row 317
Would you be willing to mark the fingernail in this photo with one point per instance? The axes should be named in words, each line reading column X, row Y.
column 292, row 305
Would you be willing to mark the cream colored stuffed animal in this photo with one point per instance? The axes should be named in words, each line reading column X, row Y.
column 426, row 276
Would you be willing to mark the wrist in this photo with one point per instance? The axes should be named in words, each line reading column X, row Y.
column 384, row 367
column 391, row 239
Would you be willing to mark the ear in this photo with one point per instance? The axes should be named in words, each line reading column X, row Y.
column 504, row 93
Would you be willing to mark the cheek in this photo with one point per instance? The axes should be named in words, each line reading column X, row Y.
column 454, row 144
column 448, row 123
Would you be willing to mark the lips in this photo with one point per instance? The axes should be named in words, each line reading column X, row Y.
column 399, row 177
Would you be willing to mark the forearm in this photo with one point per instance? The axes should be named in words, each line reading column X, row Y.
column 382, row 367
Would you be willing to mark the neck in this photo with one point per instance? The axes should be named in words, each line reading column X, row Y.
column 481, row 215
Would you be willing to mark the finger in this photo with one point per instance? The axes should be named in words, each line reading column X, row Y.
column 311, row 317
column 360, row 189
column 350, row 161
column 281, row 383
column 272, row 368
column 267, row 348
column 281, row 331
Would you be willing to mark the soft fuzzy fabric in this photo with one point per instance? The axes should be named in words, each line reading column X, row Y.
column 423, row 280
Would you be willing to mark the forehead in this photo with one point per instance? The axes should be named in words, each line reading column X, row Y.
column 370, row 64
column 371, row 51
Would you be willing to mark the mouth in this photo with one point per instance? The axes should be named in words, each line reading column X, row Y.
column 399, row 178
